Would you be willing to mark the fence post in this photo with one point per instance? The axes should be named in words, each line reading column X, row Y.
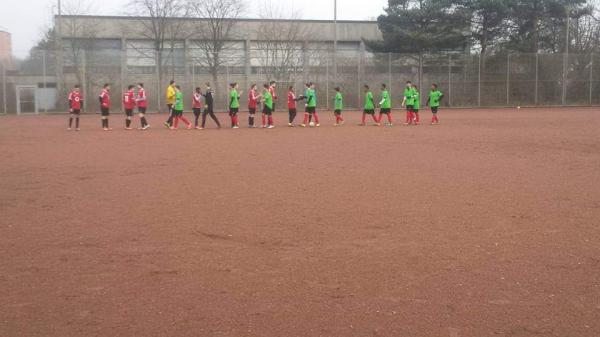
column 123, row 66
column 360, row 56
column 247, row 62
column 84, row 85
column 327, row 82
column 450, row 79
column 591, row 75
column 44, row 79
column 537, row 62
column 390, row 72
column 157, row 64
column 564, row 84
column 193, row 64
column 226, row 97
column 186, row 65
column 479, row 82
column 420, row 72
column 5, row 110
column 508, row 80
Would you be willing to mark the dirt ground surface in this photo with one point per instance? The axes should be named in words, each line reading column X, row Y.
column 486, row 225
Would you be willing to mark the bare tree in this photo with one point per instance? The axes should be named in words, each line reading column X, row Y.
column 214, row 30
column 279, row 49
column 161, row 22
column 80, row 46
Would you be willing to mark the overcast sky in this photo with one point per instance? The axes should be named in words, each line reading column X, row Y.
column 27, row 20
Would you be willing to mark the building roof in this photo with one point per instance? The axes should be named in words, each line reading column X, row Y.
column 124, row 17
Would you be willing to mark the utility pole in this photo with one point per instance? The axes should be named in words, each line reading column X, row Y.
column 566, row 56
column 334, row 40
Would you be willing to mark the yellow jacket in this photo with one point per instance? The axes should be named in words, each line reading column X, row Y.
column 170, row 95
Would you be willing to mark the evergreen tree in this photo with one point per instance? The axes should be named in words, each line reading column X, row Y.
column 417, row 26
column 540, row 25
column 489, row 20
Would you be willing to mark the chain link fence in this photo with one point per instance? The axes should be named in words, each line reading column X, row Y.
column 468, row 80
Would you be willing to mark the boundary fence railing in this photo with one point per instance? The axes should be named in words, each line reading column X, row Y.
column 468, row 80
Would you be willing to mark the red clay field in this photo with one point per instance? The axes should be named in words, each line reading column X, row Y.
column 486, row 225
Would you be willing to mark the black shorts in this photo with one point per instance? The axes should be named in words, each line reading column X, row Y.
column 104, row 112
column 252, row 111
column 177, row 113
column 129, row 112
column 409, row 108
column 142, row 109
column 267, row 111
column 311, row 109
column 385, row 110
column 434, row 109
column 197, row 111
column 337, row 111
column 76, row 111
column 170, row 107
column 415, row 110
column 369, row 111
column 233, row 111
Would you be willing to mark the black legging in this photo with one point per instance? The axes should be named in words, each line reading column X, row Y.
column 197, row 112
column 170, row 108
column 209, row 111
column 292, row 113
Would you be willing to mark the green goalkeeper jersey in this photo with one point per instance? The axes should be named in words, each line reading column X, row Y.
column 369, row 104
column 178, row 101
column 435, row 96
column 338, row 101
column 268, row 99
column 387, row 102
column 416, row 100
column 408, row 95
column 234, row 100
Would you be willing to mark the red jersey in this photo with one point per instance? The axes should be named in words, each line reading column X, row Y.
column 273, row 92
column 129, row 100
column 142, row 100
column 105, row 99
column 252, row 99
column 75, row 99
column 197, row 100
column 291, row 100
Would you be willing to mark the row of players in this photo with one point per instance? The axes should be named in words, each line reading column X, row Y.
column 203, row 102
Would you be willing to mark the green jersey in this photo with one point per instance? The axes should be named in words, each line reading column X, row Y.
column 435, row 96
column 178, row 101
column 311, row 98
column 234, row 99
column 416, row 100
column 338, row 102
column 268, row 99
column 386, row 101
column 369, row 104
column 408, row 96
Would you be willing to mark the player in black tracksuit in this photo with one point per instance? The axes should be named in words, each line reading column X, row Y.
column 208, row 109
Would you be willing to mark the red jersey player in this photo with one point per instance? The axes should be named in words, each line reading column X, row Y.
column 252, row 103
column 197, row 106
column 291, row 99
column 75, row 100
column 104, row 99
column 142, row 104
column 128, row 105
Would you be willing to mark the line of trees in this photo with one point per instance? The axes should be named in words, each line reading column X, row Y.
column 489, row 26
